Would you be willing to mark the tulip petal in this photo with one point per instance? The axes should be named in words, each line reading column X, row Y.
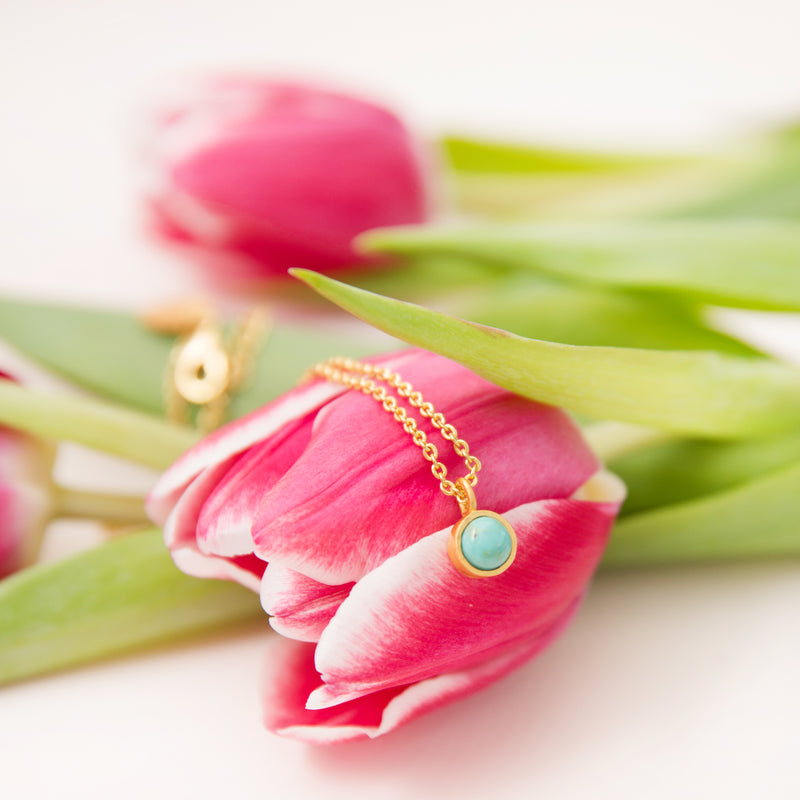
column 290, row 677
column 181, row 525
column 299, row 607
column 415, row 616
column 245, row 570
column 225, row 521
column 25, row 496
column 263, row 222
column 180, row 536
column 24, row 510
column 335, row 518
column 232, row 439
column 274, row 174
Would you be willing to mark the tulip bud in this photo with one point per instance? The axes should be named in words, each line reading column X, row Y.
column 25, row 496
column 322, row 502
column 273, row 175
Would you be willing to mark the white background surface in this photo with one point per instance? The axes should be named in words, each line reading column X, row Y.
column 675, row 683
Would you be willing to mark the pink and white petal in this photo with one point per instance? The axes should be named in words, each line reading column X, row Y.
column 234, row 438
column 299, row 607
column 180, row 537
column 290, row 677
column 241, row 434
column 245, row 570
column 362, row 478
column 180, row 526
column 225, row 521
column 416, row 616
column 429, row 694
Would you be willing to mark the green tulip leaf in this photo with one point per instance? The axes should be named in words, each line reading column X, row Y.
column 114, row 355
column 573, row 314
column 109, row 352
column 543, row 308
column 287, row 354
column 700, row 393
column 474, row 155
column 760, row 519
column 770, row 189
column 747, row 264
column 118, row 597
column 686, row 469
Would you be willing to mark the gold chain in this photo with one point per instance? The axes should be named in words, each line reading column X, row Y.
column 367, row 378
column 482, row 543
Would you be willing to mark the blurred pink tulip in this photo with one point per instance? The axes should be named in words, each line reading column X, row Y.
column 322, row 503
column 265, row 175
column 25, row 497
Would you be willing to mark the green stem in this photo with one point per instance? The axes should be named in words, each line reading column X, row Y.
column 118, row 431
column 117, row 509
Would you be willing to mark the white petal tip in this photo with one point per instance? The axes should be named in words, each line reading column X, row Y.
column 602, row 487
column 301, row 633
column 311, row 734
column 325, row 698
column 199, row 565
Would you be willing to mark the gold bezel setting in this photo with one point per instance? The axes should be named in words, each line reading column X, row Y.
column 456, row 553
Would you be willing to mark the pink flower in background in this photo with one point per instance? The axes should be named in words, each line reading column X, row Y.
column 321, row 501
column 25, row 467
column 275, row 175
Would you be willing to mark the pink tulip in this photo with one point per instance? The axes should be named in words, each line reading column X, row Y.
column 274, row 175
column 25, row 466
column 322, row 502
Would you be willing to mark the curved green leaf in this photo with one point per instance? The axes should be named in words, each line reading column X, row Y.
column 757, row 520
column 701, row 393
column 680, row 470
column 511, row 181
column 109, row 352
column 768, row 190
column 120, row 596
column 480, row 155
column 113, row 354
column 572, row 314
column 744, row 264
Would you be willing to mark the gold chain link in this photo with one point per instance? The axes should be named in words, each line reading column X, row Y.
column 367, row 378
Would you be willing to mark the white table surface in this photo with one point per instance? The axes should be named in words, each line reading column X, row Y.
column 671, row 683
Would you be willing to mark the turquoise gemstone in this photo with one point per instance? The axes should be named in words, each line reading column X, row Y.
column 486, row 543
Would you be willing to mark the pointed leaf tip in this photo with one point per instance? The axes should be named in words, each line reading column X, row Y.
column 699, row 393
